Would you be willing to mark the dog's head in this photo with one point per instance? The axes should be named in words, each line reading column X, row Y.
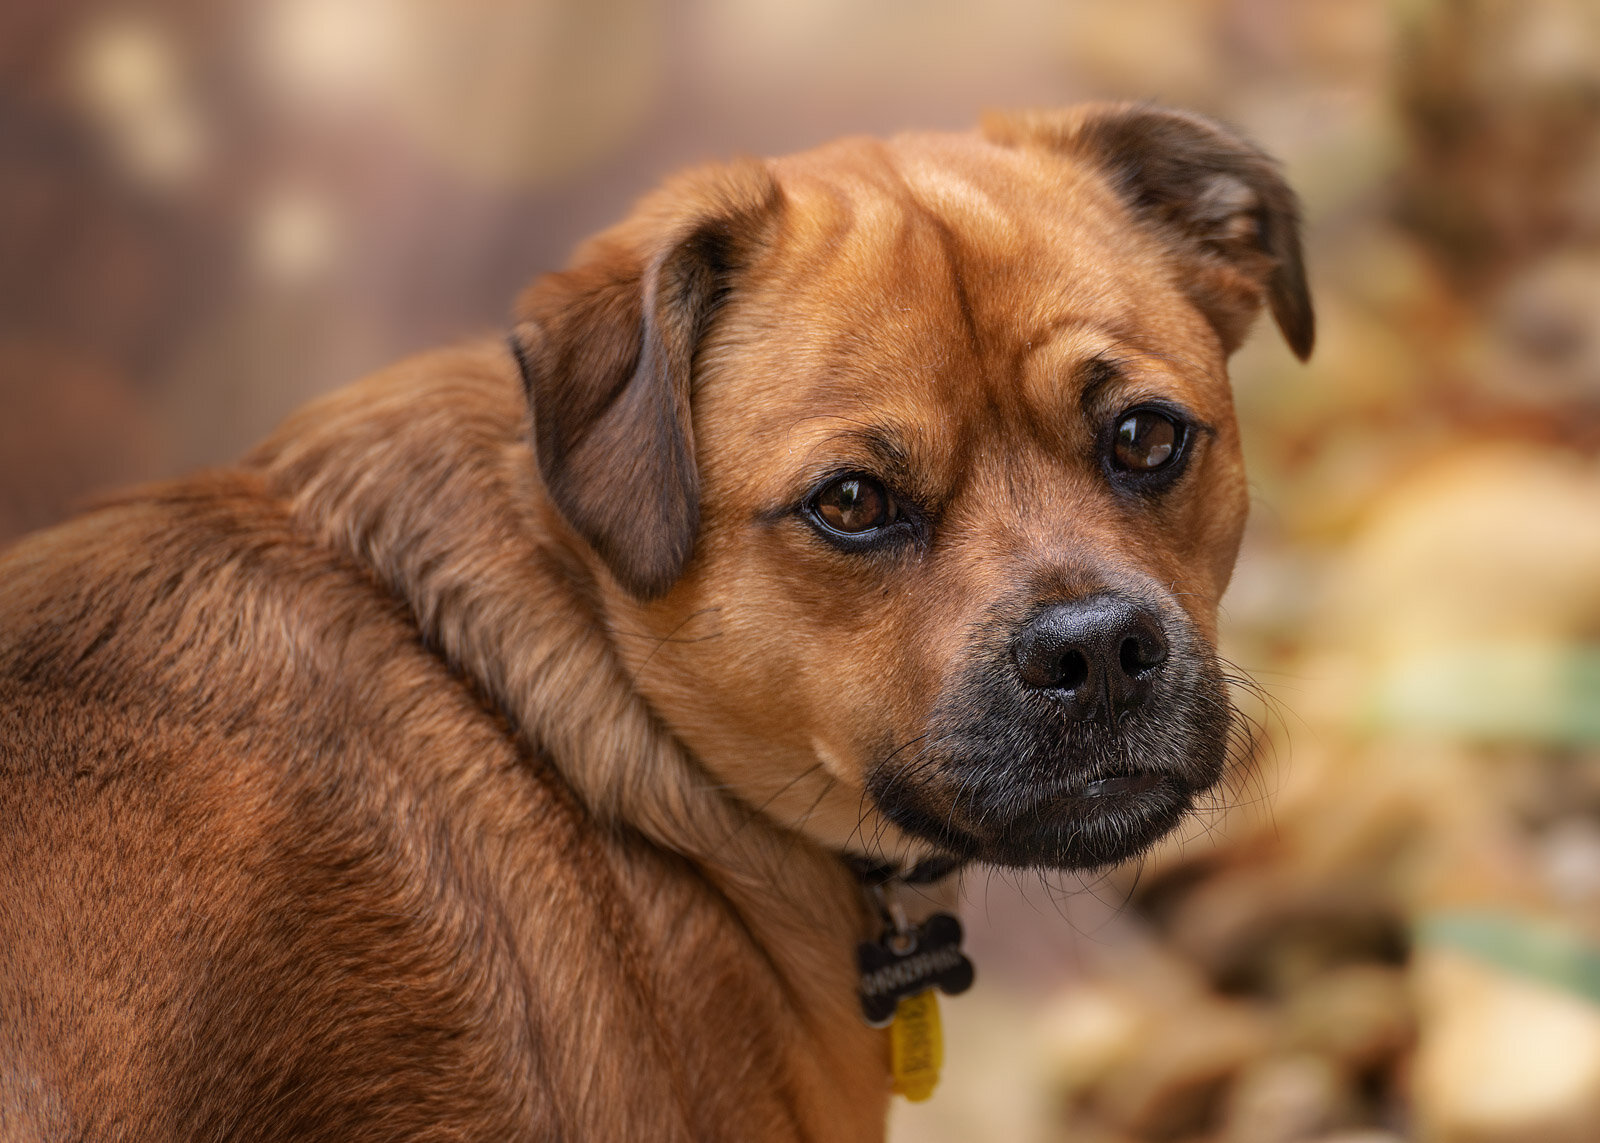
column 909, row 472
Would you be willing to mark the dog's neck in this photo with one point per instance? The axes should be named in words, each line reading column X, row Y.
column 423, row 476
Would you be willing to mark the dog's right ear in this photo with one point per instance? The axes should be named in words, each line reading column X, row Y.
column 606, row 350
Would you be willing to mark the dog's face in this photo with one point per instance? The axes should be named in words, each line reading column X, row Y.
column 913, row 473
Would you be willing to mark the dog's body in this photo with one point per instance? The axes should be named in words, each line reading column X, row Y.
column 416, row 780
column 274, row 869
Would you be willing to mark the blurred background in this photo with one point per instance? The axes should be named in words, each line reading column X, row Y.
column 1388, row 927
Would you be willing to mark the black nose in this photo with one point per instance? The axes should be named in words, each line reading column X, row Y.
column 1102, row 650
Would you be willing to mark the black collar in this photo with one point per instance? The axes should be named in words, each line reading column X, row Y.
column 874, row 874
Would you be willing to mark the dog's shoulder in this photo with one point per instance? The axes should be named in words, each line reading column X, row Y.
column 212, row 599
column 265, row 848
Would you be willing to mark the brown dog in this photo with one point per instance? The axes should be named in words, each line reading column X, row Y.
column 416, row 780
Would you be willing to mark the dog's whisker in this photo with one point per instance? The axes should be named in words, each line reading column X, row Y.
column 798, row 825
column 671, row 636
column 753, row 813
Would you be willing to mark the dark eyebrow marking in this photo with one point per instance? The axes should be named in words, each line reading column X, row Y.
column 882, row 445
column 1104, row 374
column 885, row 448
column 1100, row 374
column 873, row 449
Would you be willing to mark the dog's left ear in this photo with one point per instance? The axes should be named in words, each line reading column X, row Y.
column 606, row 349
column 1220, row 200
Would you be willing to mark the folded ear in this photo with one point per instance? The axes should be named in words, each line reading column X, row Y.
column 606, row 350
column 1221, row 201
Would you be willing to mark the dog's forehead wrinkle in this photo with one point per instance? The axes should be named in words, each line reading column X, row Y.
column 952, row 196
column 918, row 211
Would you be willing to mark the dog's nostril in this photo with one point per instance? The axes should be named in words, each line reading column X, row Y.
column 1139, row 653
column 1049, row 666
column 1072, row 671
column 1129, row 656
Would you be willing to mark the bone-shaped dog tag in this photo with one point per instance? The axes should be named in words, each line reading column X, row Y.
column 904, row 963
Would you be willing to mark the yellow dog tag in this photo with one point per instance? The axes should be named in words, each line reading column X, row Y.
column 916, row 1046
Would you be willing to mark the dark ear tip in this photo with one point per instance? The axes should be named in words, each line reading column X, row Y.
column 645, row 564
column 1299, row 329
column 1291, row 309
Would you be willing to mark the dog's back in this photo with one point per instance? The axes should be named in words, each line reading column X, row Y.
column 275, row 870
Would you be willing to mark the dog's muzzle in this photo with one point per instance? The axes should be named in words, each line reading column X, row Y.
column 1075, row 737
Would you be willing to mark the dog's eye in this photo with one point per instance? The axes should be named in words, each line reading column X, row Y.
column 854, row 505
column 1146, row 441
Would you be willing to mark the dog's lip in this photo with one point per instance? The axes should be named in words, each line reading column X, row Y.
column 1082, row 798
column 1104, row 787
column 1121, row 785
column 1086, row 798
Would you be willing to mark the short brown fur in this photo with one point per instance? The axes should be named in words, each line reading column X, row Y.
column 422, row 777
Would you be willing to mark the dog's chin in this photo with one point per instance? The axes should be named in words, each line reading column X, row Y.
column 1081, row 825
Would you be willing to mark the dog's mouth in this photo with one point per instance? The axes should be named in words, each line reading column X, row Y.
column 1095, row 823
column 1080, row 825
column 1108, row 793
